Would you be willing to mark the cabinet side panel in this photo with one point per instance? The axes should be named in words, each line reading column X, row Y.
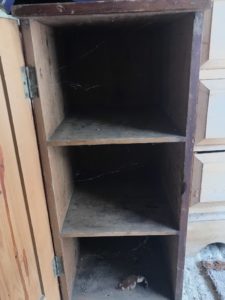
column 176, row 42
column 48, row 113
column 190, row 131
column 25, row 135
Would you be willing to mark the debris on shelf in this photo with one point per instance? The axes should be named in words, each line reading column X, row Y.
column 131, row 281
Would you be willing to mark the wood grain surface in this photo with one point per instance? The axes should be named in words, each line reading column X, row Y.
column 115, row 127
column 105, row 7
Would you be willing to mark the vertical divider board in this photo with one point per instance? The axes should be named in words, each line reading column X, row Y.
column 190, row 132
column 179, row 194
column 48, row 113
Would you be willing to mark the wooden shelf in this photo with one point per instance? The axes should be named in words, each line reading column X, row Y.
column 117, row 207
column 107, row 7
column 114, row 127
column 100, row 269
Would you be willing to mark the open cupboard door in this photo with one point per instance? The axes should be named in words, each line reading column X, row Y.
column 26, row 249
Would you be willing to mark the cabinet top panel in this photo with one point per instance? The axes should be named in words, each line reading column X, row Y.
column 108, row 7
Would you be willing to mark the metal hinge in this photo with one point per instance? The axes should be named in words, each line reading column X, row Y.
column 29, row 82
column 57, row 266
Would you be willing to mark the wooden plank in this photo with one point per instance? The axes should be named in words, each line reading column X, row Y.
column 11, row 283
column 188, row 162
column 206, row 32
column 198, row 237
column 202, row 110
column 25, row 135
column 114, row 19
column 182, row 41
column 40, row 52
column 47, row 76
column 176, row 42
column 109, row 6
column 196, row 182
column 19, row 276
column 115, row 207
column 115, row 127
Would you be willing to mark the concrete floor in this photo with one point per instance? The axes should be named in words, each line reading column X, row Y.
column 200, row 284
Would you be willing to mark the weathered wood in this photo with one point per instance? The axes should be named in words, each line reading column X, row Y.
column 41, row 54
column 178, row 60
column 181, row 42
column 202, row 110
column 117, row 207
column 188, row 161
column 114, row 19
column 206, row 32
column 106, row 7
column 196, row 181
column 23, row 123
column 19, row 275
column 177, row 43
column 114, row 127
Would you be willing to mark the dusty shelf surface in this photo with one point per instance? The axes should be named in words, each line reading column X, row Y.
column 117, row 206
column 100, row 270
column 115, row 127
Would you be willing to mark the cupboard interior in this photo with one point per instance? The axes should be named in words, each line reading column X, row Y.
column 105, row 262
column 86, row 71
column 121, row 79
column 124, row 190
column 121, row 190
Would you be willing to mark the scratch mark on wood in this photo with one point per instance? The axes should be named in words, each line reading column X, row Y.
column 25, row 263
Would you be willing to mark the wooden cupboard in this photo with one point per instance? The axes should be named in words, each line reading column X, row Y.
column 115, row 116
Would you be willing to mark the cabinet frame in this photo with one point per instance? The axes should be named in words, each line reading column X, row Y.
column 49, row 14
